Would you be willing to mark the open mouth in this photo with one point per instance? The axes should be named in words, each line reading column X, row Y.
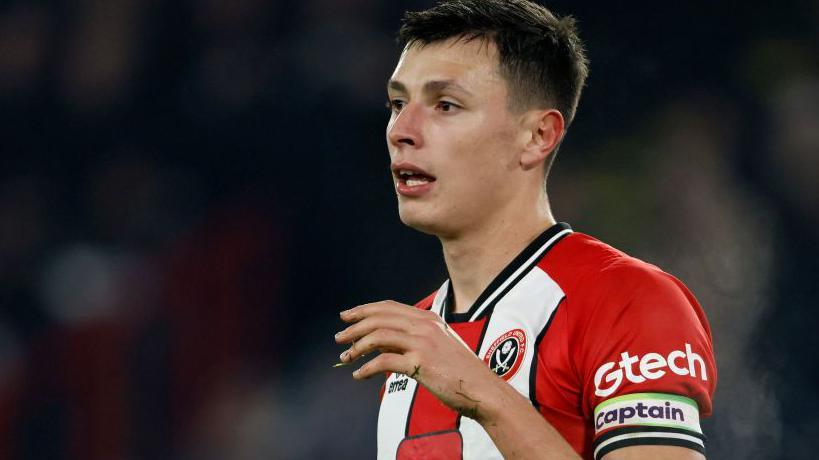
column 411, row 181
column 413, row 178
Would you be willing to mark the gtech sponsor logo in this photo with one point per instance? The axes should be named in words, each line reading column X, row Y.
column 650, row 366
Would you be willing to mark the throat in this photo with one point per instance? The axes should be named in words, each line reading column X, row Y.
column 477, row 266
column 458, row 302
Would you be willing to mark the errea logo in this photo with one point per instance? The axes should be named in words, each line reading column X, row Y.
column 651, row 366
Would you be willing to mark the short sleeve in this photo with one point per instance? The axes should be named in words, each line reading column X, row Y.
column 646, row 361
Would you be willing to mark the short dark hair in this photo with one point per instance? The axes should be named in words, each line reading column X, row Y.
column 541, row 56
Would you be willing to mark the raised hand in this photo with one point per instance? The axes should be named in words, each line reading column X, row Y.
column 417, row 343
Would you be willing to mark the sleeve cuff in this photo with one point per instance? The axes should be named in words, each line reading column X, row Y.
column 645, row 435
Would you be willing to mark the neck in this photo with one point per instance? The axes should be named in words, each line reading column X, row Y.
column 474, row 259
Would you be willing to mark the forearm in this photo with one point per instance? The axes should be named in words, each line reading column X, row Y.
column 516, row 428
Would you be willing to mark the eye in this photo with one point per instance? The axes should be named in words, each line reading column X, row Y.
column 395, row 105
column 446, row 106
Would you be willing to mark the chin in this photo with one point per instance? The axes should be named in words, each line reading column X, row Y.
column 423, row 222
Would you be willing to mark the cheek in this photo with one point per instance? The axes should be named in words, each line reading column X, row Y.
column 476, row 156
column 485, row 156
column 475, row 174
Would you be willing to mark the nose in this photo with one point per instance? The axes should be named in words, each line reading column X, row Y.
column 405, row 128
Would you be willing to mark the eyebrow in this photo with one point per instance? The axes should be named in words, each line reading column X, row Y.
column 432, row 86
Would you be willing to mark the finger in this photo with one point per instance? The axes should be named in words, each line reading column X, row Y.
column 378, row 340
column 385, row 362
column 384, row 320
column 360, row 312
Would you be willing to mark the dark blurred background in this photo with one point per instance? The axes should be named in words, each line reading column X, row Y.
column 190, row 191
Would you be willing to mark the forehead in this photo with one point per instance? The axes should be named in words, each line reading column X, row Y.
column 474, row 64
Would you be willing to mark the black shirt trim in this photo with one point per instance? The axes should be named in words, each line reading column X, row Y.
column 510, row 269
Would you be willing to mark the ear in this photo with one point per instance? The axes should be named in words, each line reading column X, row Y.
column 543, row 129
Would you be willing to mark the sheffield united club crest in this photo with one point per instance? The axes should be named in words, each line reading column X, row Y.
column 506, row 353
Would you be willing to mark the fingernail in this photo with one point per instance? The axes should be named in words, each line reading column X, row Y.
column 338, row 334
column 343, row 355
column 356, row 372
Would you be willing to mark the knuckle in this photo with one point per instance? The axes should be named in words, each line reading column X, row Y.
column 372, row 367
column 432, row 318
column 373, row 340
column 366, row 368
column 422, row 343
column 431, row 314
column 390, row 303
column 379, row 363
column 430, row 327
column 378, row 335
column 372, row 346
column 350, row 332
column 361, row 346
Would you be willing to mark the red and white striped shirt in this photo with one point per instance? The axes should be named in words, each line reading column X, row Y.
column 612, row 351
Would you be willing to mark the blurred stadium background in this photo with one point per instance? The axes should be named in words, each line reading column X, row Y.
column 190, row 191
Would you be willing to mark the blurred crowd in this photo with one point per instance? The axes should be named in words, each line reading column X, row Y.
column 192, row 190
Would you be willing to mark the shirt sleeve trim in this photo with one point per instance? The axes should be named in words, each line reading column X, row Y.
column 644, row 429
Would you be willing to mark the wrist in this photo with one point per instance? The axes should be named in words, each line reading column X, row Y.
column 496, row 397
column 516, row 427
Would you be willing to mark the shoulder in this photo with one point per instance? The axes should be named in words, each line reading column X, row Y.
column 590, row 272
column 636, row 341
column 609, row 293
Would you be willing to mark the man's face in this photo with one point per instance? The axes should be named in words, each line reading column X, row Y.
column 451, row 128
